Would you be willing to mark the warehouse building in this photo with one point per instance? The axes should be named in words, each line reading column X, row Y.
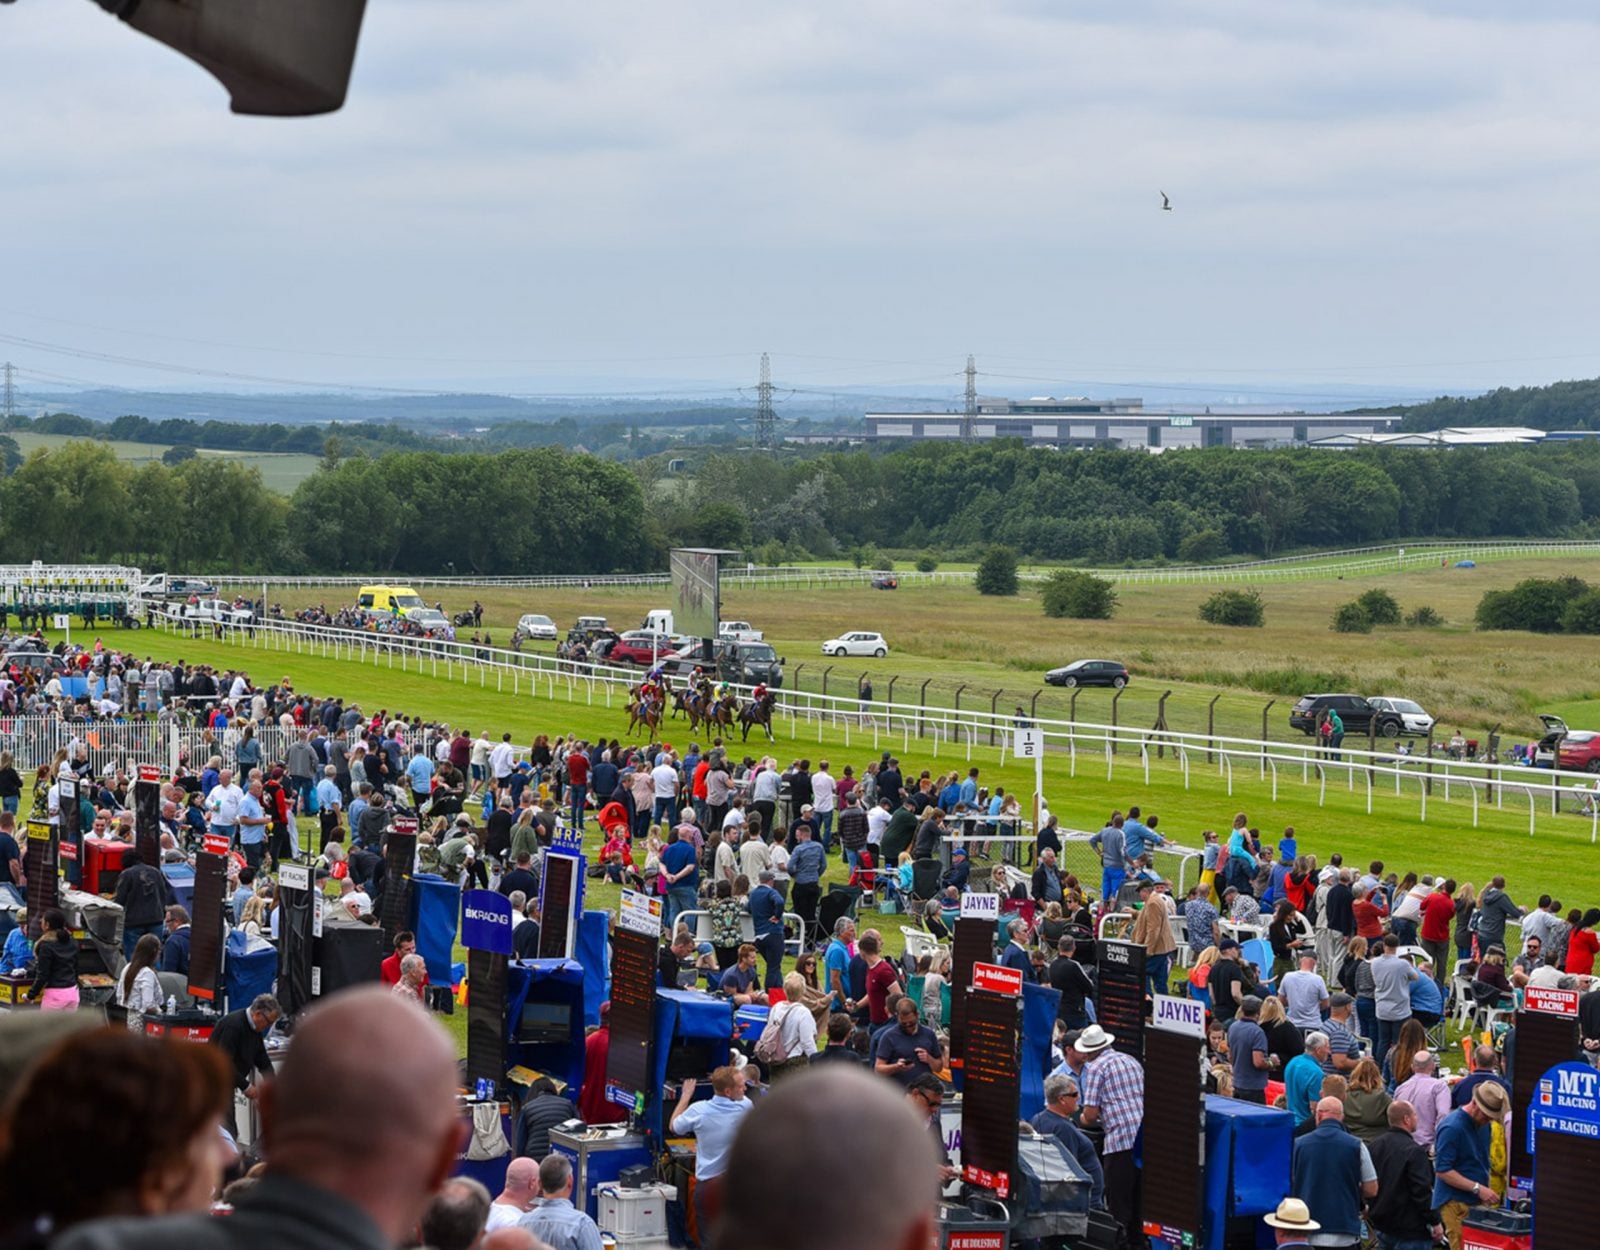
column 1046, row 421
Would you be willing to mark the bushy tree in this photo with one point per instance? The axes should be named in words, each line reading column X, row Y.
column 1352, row 618
column 1234, row 607
column 1203, row 546
column 1424, row 618
column 926, row 564
column 1537, row 604
column 1380, row 607
column 1079, row 596
column 1582, row 615
column 174, row 456
column 997, row 572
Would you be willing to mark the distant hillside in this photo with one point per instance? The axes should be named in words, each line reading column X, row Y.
column 1559, row 406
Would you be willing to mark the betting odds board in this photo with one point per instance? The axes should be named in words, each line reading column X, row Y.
column 205, row 951
column 557, row 888
column 147, row 814
column 399, row 854
column 973, row 944
column 1541, row 1040
column 40, row 861
column 1119, row 995
column 1564, row 1125
column 486, row 1018
column 991, row 1092
column 633, row 1018
column 1173, row 1157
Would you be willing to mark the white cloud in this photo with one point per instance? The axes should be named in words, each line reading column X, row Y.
column 1357, row 186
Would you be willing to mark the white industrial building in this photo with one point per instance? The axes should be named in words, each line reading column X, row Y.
column 1046, row 421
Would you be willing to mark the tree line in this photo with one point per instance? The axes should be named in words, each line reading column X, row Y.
column 1112, row 507
column 532, row 511
column 546, row 509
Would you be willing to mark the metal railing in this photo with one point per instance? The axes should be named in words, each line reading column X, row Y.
column 1372, row 773
column 1387, row 558
column 35, row 741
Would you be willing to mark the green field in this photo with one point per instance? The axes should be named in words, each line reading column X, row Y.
column 994, row 651
column 280, row 471
column 1557, row 859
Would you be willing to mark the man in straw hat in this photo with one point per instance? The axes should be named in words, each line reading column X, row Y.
column 1461, row 1158
column 1292, row 1223
column 1112, row 1087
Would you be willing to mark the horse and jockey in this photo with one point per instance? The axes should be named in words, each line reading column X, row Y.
column 757, row 712
column 707, row 704
column 649, row 701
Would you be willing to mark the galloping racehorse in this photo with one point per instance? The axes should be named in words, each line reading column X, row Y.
column 720, row 712
column 757, row 713
column 644, row 713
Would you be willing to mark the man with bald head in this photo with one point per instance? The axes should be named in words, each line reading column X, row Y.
column 835, row 1209
column 355, row 1149
column 522, row 1179
column 1332, row 1173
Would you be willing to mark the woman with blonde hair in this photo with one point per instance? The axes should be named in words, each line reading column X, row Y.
column 1200, row 974
column 254, row 920
column 1284, row 1039
column 1366, row 1106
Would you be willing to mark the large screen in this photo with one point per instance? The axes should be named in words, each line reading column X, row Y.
column 696, row 599
column 633, row 1011
column 990, row 1093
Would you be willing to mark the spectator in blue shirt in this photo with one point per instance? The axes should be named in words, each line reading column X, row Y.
column 554, row 1220
column 836, row 965
column 969, row 788
column 766, row 909
column 420, row 772
column 1427, row 1001
column 1461, row 1158
column 252, row 826
column 807, row 862
column 681, row 869
column 1137, row 837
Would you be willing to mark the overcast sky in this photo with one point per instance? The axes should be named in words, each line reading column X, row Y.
column 538, row 196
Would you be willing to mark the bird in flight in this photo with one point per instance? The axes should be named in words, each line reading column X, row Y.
column 1166, row 204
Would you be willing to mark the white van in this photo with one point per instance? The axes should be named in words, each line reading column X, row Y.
column 658, row 621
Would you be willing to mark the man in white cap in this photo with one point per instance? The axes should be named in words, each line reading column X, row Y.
column 1112, row 1088
column 1292, row 1223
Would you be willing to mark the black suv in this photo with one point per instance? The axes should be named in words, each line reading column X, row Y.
column 1357, row 714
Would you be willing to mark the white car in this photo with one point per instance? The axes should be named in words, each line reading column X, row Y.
column 1414, row 719
column 428, row 618
column 738, row 631
column 856, row 643
column 533, row 625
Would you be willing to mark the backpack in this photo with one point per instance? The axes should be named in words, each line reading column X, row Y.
column 771, row 1039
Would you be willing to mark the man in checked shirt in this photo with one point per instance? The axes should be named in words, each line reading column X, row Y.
column 1113, row 1099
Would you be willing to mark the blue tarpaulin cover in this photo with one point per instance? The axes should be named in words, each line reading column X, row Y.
column 1040, row 1005
column 593, row 951
column 435, row 910
column 1248, row 1149
column 688, row 1015
column 248, row 974
column 547, row 981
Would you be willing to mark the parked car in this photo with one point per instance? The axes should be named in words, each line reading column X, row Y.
column 858, row 642
column 1111, row 673
column 533, row 625
column 739, row 631
column 1548, row 748
column 216, row 612
column 1414, row 719
column 743, row 663
column 640, row 647
column 163, row 586
column 1357, row 714
column 886, row 583
column 42, row 662
column 429, row 618
column 1579, row 751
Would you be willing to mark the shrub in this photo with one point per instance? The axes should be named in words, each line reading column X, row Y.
column 1234, row 607
column 1536, row 604
column 1081, row 596
column 1380, row 607
column 997, row 572
column 771, row 553
column 926, row 564
column 1351, row 618
column 1583, row 614
column 1203, row 546
column 1424, row 618
column 177, row 455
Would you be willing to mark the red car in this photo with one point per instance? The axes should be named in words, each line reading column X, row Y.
column 1579, row 751
column 640, row 647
